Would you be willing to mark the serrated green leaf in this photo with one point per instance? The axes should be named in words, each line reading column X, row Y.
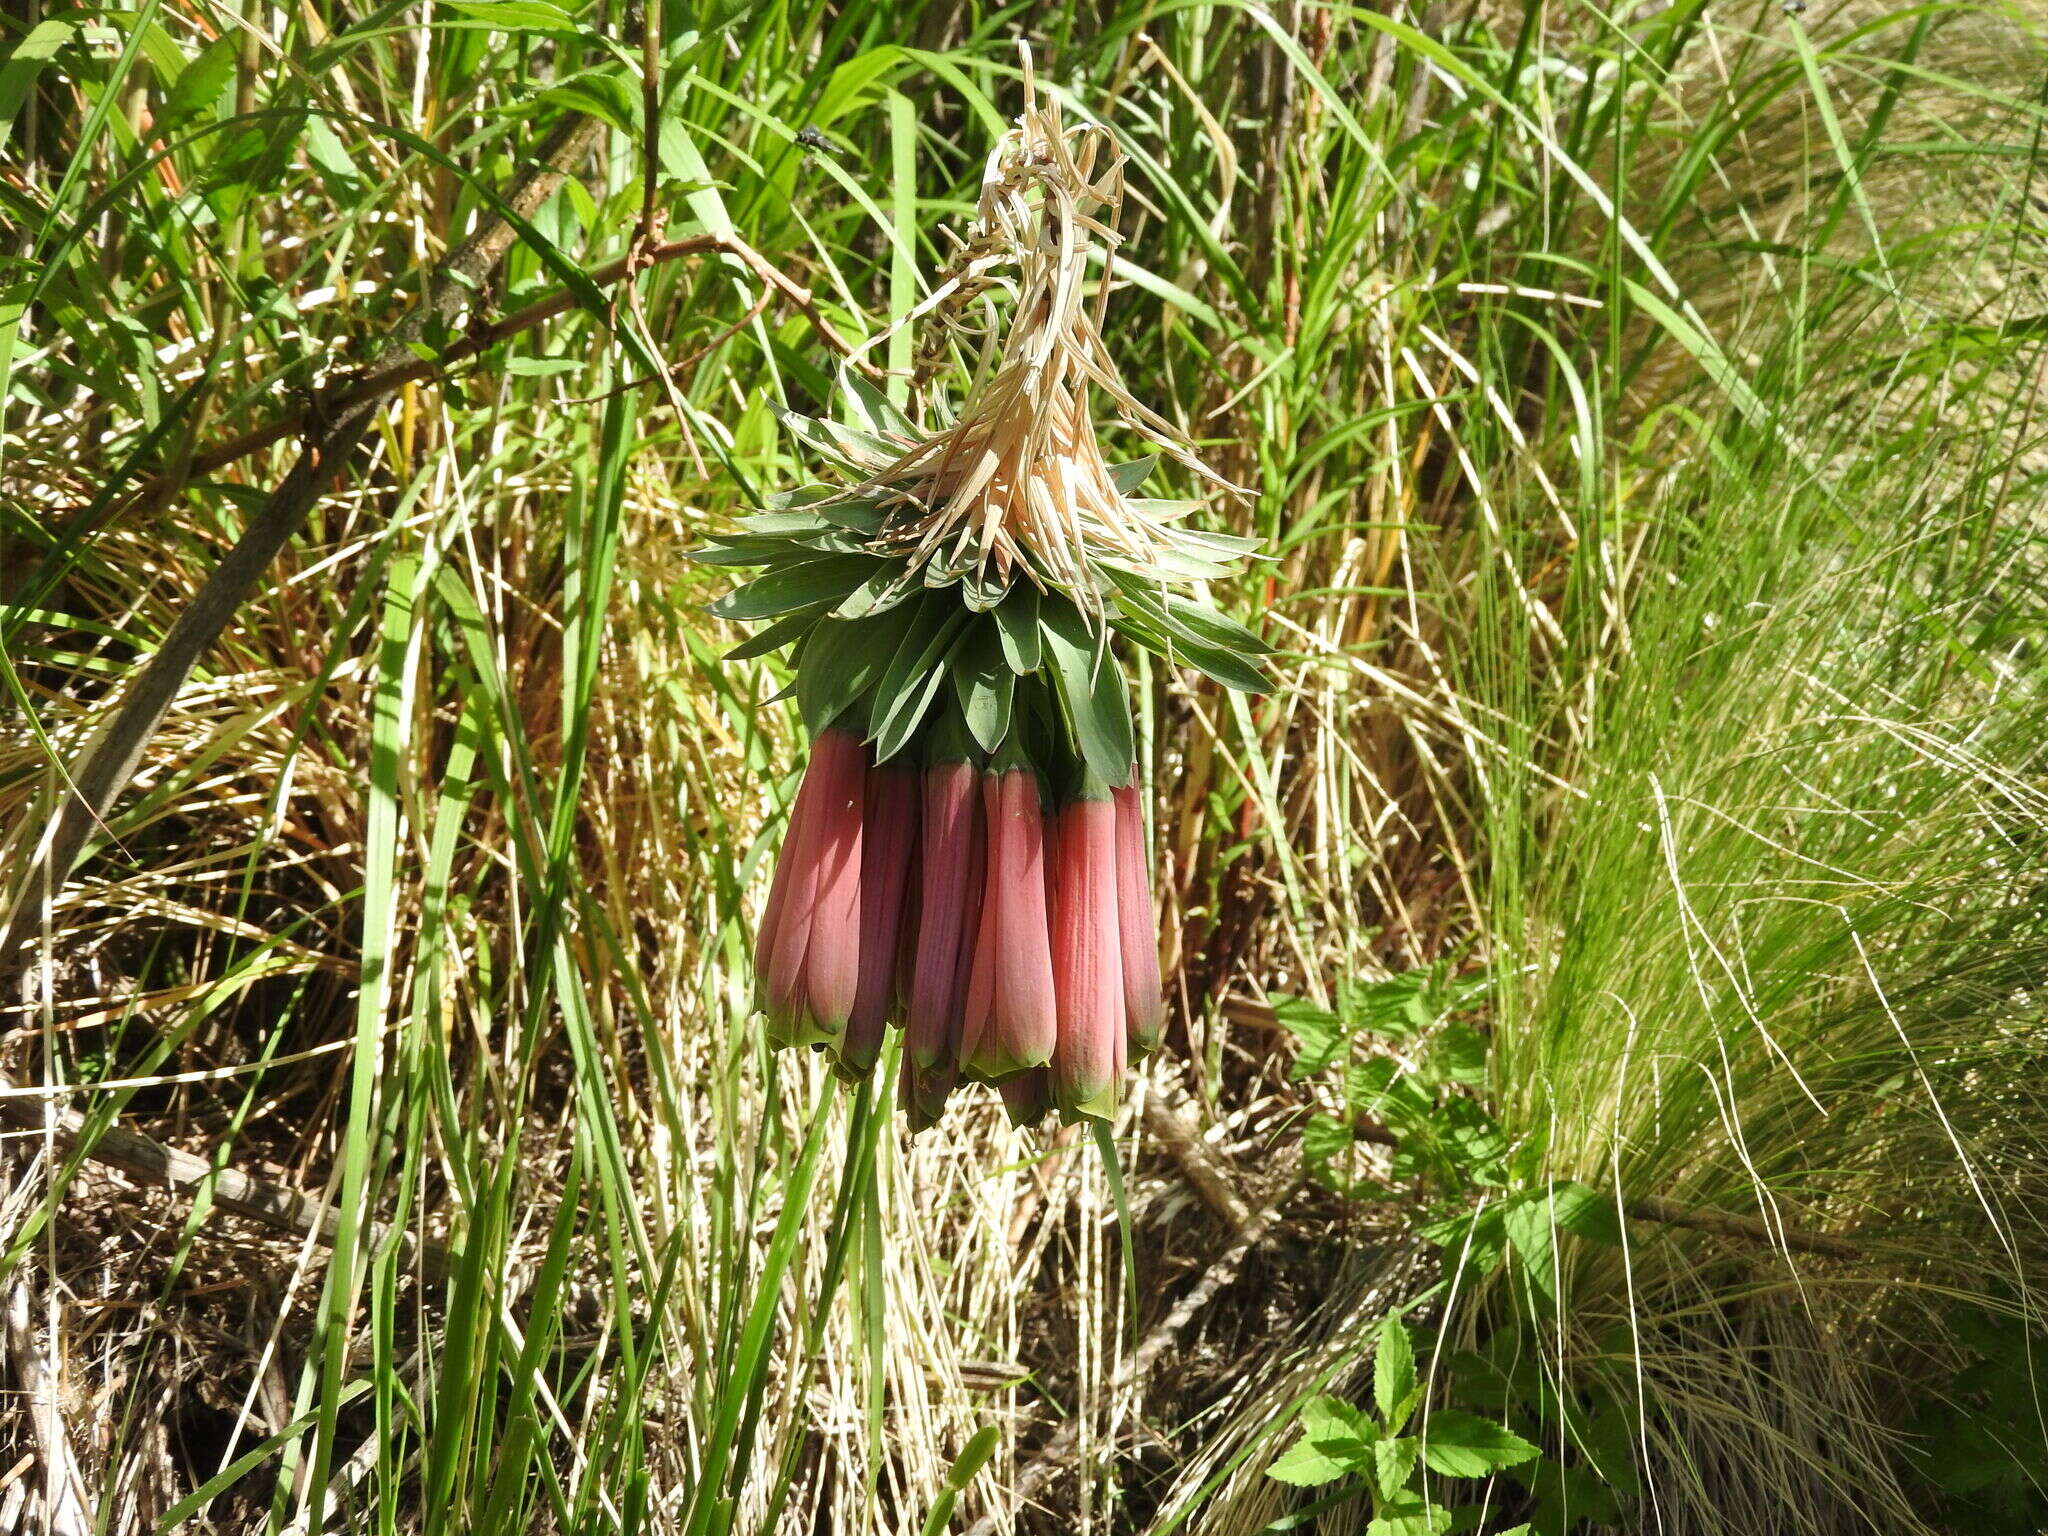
column 1393, row 1463
column 1393, row 1006
column 1320, row 1032
column 1091, row 687
column 1587, row 1213
column 1532, row 1240
column 1393, row 1371
column 1324, row 1137
column 1465, row 1445
column 1458, row 1053
column 1473, row 1139
column 1305, row 1465
column 1410, row 1517
column 828, row 579
column 1331, row 1418
column 200, row 83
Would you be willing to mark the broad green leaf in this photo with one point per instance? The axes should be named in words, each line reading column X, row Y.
column 845, row 658
column 1393, row 1372
column 19, row 73
column 1585, row 1212
column 1324, row 1137
column 1465, row 1445
column 1143, row 621
column 1472, row 1139
column 601, row 93
column 1458, row 1054
column 1128, row 477
column 1331, row 1418
column 985, row 686
column 518, row 15
column 887, row 589
column 1017, row 622
column 1091, row 686
column 872, row 410
column 1533, row 1240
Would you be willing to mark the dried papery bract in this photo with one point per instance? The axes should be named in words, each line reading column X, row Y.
column 1019, row 478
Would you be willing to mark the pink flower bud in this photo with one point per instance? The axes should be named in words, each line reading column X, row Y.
column 1144, row 1006
column 1087, row 963
column 888, row 840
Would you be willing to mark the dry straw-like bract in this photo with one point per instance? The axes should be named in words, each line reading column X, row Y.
column 1019, row 479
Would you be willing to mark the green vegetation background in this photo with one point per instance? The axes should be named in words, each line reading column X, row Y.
column 1641, row 409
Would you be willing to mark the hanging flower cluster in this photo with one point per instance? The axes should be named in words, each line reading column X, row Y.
column 967, row 858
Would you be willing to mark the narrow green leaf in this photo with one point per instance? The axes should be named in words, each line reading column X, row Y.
column 797, row 586
column 784, row 630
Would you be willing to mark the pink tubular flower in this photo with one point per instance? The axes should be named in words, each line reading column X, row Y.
column 1138, row 929
column 786, row 922
column 888, row 840
column 1027, row 1096
column 1087, row 963
column 978, row 1001
column 949, row 911
column 1023, row 1017
column 924, row 1091
column 832, row 959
